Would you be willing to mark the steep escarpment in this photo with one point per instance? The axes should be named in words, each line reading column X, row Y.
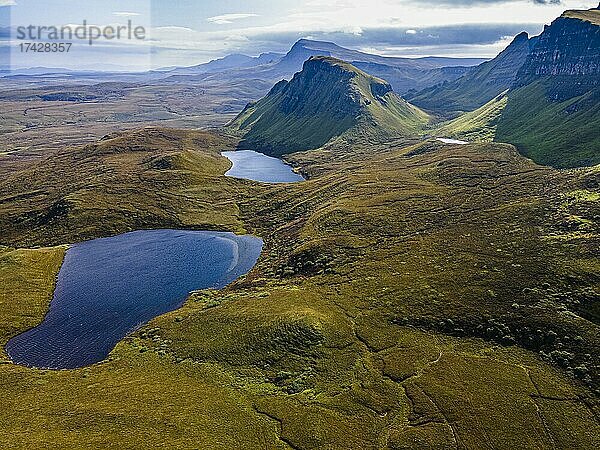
column 568, row 51
column 480, row 85
column 553, row 111
column 328, row 99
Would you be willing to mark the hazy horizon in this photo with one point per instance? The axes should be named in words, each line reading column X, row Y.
column 186, row 32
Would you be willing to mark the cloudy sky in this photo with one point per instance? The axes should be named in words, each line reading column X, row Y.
column 187, row 32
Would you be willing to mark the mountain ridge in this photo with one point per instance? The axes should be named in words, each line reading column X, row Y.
column 480, row 85
column 231, row 61
column 551, row 112
column 327, row 100
column 311, row 47
column 403, row 74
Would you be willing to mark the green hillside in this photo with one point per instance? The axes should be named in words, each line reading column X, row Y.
column 329, row 99
column 477, row 87
column 551, row 112
column 476, row 126
column 560, row 133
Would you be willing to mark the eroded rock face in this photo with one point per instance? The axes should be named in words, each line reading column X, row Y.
column 567, row 47
column 321, row 86
column 569, row 50
column 380, row 89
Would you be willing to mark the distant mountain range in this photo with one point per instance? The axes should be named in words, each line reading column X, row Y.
column 328, row 99
column 402, row 73
column 305, row 48
column 541, row 94
column 234, row 61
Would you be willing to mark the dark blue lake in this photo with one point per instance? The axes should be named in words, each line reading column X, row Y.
column 255, row 166
column 107, row 288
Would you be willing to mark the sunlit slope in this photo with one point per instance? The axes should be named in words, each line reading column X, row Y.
column 327, row 100
column 552, row 110
column 480, row 85
column 560, row 133
column 475, row 126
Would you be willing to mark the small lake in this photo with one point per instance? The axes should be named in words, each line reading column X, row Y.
column 251, row 165
column 451, row 141
column 109, row 287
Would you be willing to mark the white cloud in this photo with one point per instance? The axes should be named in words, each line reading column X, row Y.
column 229, row 18
column 412, row 14
column 237, row 39
column 174, row 28
column 281, row 26
column 126, row 14
column 8, row 2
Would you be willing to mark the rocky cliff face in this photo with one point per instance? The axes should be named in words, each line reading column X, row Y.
column 569, row 46
column 568, row 51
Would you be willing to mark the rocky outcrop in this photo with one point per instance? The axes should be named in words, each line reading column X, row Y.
column 567, row 47
column 568, row 51
column 322, row 85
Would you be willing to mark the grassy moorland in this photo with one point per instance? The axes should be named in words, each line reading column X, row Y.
column 48, row 113
column 28, row 277
column 417, row 296
column 143, row 179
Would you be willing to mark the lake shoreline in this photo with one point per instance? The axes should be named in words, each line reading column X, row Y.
column 109, row 287
column 255, row 166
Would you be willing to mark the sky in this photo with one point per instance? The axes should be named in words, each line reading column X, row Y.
column 188, row 32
